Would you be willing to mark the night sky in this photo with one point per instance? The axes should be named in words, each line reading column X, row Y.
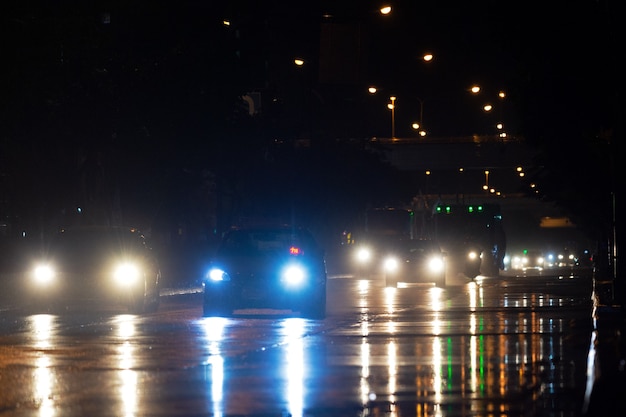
column 134, row 105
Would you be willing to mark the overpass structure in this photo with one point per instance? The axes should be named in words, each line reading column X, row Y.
column 461, row 165
column 481, row 170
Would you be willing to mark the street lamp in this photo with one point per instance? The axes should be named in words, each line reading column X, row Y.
column 385, row 10
column 419, row 126
column 392, row 107
column 487, row 108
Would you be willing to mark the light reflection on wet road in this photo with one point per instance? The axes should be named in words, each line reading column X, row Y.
column 498, row 347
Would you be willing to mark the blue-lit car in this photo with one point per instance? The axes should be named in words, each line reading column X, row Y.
column 94, row 266
column 266, row 268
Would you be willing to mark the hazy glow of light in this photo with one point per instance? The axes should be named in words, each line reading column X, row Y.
column 436, row 325
column 363, row 288
column 435, row 299
column 217, row 383
column 294, row 331
column 390, row 295
column 385, row 10
column 428, row 57
column 42, row 325
column 213, row 333
column 473, row 289
column 43, row 387
column 392, row 366
column 298, row 61
column 365, row 328
column 437, row 373
column 364, row 386
column 473, row 323
column 125, row 326
column 128, row 389
column 473, row 363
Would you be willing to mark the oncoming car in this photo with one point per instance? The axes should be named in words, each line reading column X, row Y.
column 414, row 260
column 527, row 260
column 266, row 267
column 95, row 265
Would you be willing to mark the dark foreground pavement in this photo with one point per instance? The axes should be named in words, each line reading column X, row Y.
column 606, row 368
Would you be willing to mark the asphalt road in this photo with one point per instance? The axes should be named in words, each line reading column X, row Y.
column 507, row 346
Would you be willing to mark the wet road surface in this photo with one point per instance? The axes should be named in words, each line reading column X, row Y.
column 507, row 346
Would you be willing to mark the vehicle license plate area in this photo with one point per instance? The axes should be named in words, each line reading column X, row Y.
column 254, row 293
column 82, row 285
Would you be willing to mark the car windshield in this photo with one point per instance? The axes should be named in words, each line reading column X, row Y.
column 267, row 241
column 416, row 246
column 81, row 243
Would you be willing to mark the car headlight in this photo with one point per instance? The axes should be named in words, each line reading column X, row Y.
column 127, row 273
column 472, row 255
column 391, row 265
column 217, row 274
column 363, row 255
column 44, row 274
column 435, row 264
column 293, row 275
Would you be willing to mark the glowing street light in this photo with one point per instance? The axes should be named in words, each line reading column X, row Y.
column 488, row 107
column 392, row 107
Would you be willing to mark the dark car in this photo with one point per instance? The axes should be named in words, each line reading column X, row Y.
column 95, row 265
column 413, row 260
column 268, row 267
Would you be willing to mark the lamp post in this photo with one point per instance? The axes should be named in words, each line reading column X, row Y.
column 392, row 107
column 488, row 107
column 419, row 126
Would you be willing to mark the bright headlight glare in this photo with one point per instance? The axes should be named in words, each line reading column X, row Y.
column 43, row 274
column 391, row 264
column 217, row 274
column 472, row 255
column 127, row 273
column 294, row 274
column 435, row 264
column 363, row 255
